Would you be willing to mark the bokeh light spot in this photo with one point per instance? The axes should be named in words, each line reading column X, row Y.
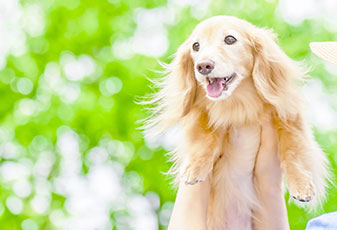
column 29, row 224
column 22, row 188
column 58, row 218
column 24, row 85
column 110, row 86
column 165, row 213
column 14, row 204
column 7, row 76
column 33, row 20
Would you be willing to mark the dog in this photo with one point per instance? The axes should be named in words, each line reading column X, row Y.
column 225, row 80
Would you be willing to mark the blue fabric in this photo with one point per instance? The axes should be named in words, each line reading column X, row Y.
column 326, row 221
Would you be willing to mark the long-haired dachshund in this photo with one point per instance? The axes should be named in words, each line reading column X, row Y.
column 225, row 80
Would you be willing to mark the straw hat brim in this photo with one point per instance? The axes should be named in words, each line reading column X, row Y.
column 325, row 50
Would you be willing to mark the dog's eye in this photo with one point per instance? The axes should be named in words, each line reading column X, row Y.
column 230, row 40
column 196, row 46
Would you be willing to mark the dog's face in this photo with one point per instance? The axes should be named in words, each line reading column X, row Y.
column 222, row 56
column 228, row 57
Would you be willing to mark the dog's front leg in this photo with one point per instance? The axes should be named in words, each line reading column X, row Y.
column 198, row 149
column 296, row 154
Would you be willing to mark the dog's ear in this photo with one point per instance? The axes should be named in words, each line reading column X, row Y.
column 183, row 79
column 274, row 73
column 177, row 92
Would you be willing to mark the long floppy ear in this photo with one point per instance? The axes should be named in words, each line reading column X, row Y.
column 177, row 92
column 275, row 74
column 182, row 80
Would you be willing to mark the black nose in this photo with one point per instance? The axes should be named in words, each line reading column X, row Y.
column 205, row 67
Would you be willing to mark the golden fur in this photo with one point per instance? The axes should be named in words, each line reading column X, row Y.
column 221, row 137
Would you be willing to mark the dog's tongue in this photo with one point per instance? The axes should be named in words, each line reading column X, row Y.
column 215, row 88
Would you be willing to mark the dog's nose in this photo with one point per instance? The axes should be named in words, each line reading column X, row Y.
column 205, row 67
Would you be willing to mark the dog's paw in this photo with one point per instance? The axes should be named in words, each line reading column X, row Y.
column 302, row 190
column 196, row 172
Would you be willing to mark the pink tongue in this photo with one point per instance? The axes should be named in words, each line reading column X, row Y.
column 215, row 88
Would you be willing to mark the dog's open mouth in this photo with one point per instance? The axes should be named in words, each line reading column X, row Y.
column 217, row 85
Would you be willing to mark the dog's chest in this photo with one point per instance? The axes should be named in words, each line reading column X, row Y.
column 233, row 193
column 241, row 148
column 236, row 166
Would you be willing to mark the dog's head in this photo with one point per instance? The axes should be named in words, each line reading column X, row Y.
column 223, row 51
column 222, row 59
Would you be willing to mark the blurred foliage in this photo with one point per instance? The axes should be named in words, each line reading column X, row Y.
column 32, row 114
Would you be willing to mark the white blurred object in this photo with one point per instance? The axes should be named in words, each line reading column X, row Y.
column 97, row 155
column 10, row 150
column 40, row 203
column 320, row 106
column 165, row 213
column 68, row 91
column 90, row 198
column 110, row 86
column 12, row 36
column 10, row 171
column 58, row 218
column 27, row 107
column 143, row 217
column 331, row 68
column 14, row 204
column 150, row 37
column 14, row 22
column 22, row 188
column 24, row 85
column 29, row 224
column 199, row 8
column 296, row 11
column 77, row 69
column 33, row 19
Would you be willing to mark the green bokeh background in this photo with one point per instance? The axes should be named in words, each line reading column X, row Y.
column 92, row 28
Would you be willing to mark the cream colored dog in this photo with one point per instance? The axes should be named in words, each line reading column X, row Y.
column 227, row 78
